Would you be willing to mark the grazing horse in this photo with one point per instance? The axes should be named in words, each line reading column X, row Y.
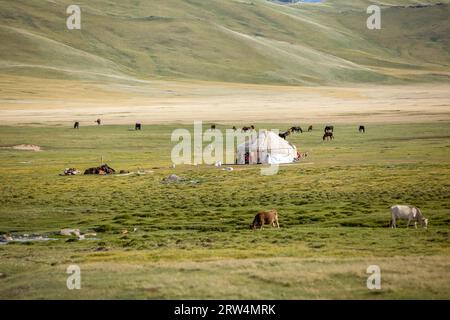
column 328, row 129
column 99, row 122
column 234, row 128
column 309, row 128
column 213, row 127
column 76, row 125
column 137, row 126
column 297, row 129
column 245, row 129
column 284, row 135
column 268, row 217
column 409, row 213
column 328, row 136
column 362, row 129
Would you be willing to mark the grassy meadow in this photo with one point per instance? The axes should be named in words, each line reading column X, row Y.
column 237, row 41
column 192, row 238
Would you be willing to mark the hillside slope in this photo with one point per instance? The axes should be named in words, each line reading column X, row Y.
column 254, row 41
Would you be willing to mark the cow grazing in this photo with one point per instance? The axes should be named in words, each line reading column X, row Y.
column 309, row 128
column 137, row 126
column 76, row 125
column 265, row 217
column 409, row 213
column 328, row 136
column 362, row 129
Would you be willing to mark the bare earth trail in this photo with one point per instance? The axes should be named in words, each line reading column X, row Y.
column 54, row 102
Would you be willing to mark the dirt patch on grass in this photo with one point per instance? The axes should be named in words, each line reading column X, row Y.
column 23, row 147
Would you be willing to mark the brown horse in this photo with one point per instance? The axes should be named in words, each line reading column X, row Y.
column 309, row 128
column 266, row 217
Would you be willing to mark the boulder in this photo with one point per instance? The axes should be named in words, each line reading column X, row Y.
column 70, row 232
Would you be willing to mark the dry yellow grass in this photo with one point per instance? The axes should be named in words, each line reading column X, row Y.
column 30, row 100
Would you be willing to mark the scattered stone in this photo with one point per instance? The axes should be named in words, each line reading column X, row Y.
column 6, row 238
column 2, row 275
column 70, row 232
column 228, row 169
column 173, row 178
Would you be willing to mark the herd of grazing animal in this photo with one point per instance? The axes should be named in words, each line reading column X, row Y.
column 328, row 131
column 76, row 124
column 398, row 212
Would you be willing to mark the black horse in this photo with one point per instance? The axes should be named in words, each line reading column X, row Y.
column 284, row 135
column 362, row 129
column 329, row 129
column 76, row 125
column 137, row 126
column 328, row 136
column 297, row 129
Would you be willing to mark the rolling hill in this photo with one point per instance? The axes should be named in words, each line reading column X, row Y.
column 242, row 41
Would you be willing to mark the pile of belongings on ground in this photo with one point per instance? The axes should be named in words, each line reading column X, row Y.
column 103, row 169
column 70, row 172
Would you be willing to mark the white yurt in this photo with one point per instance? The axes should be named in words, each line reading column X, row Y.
column 265, row 147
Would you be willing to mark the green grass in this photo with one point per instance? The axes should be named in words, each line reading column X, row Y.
column 193, row 241
column 254, row 41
